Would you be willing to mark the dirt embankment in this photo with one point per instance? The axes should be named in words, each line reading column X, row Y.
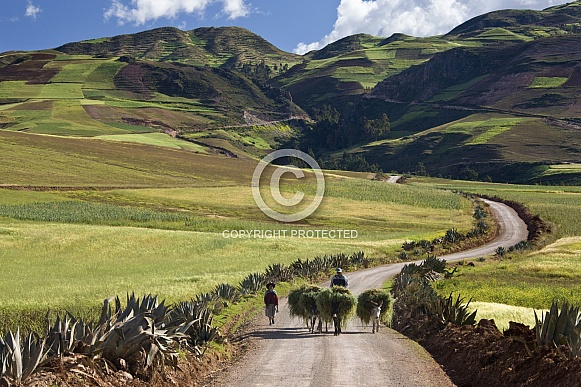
column 482, row 356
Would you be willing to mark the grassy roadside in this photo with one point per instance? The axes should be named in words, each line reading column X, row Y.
column 532, row 280
column 508, row 288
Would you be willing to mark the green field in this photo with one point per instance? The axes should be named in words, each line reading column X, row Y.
column 485, row 130
column 532, row 279
column 547, row 82
column 71, row 248
column 157, row 139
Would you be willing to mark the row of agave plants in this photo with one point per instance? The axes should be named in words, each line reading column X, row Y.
column 560, row 327
column 141, row 337
column 144, row 336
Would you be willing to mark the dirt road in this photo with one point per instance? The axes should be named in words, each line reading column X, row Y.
column 287, row 355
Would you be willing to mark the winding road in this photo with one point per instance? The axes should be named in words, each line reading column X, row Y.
column 285, row 354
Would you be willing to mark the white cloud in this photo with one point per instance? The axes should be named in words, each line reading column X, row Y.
column 235, row 8
column 142, row 11
column 32, row 10
column 412, row 17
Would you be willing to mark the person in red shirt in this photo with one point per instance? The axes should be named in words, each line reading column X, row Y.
column 271, row 302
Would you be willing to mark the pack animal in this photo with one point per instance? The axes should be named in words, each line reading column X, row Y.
column 336, row 318
column 314, row 316
column 376, row 315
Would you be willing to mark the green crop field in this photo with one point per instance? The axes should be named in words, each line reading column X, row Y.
column 533, row 281
column 61, row 91
column 547, row 82
column 157, row 139
column 502, row 34
column 74, row 71
column 18, row 89
column 483, row 129
column 70, row 249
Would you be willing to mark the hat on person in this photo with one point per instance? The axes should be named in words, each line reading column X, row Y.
column 270, row 284
column 339, row 270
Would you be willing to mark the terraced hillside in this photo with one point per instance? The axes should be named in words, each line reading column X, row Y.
column 505, row 110
column 164, row 80
column 495, row 98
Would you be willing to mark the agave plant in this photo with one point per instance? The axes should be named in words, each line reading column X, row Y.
column 139, row 337
column 198, row 330
column 452, row 236
column 18, row 360
column 452, row 311
column 227, row 292
column 560, row 327
column 252, row 283
column 279, row 272
column 433, row 264
column 68, row 335
column 206, row 298
column 479, row 213
column 357, row 258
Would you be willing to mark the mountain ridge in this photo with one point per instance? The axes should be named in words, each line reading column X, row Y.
column 516, row 68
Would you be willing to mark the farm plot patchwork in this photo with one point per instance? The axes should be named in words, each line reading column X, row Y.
column 484, row 130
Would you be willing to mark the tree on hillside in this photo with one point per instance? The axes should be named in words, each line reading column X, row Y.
column 377, row 128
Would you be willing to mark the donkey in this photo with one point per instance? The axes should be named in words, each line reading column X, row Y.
column 336, row 318
column 314, row 316
column 375, row 315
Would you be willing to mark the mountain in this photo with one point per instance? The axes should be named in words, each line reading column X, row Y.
column 495, row 98
column 505, row 111
column 203, row 46
column 192, row 84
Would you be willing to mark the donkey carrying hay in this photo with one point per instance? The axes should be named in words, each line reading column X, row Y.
column 372, row 305
column 336, row 304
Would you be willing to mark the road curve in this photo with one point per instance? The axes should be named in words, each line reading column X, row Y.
column 285, row 354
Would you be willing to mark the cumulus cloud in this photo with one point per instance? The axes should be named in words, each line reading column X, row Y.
column 32, row 10
column 412, row 17
column 142, row 11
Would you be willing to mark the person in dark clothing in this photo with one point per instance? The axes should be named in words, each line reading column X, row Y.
column 271, row 302
column 339, row 279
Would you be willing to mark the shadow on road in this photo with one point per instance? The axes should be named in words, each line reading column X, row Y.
column 293, row 333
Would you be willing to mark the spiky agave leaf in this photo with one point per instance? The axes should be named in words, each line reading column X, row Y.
column 227, row 292
column 198, row 327
column 560, row 326
column 19, row 359
column 252, row 283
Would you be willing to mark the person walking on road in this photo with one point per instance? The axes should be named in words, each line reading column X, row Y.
column 271, row 302
column 339, row 279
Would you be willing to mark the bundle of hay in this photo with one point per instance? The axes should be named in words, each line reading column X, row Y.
column 293, row 302
column 366, row 300
column 308, row 299
column 301, row 301
column 339, row 296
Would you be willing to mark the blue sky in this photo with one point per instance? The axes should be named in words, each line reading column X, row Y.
column 292, row 25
